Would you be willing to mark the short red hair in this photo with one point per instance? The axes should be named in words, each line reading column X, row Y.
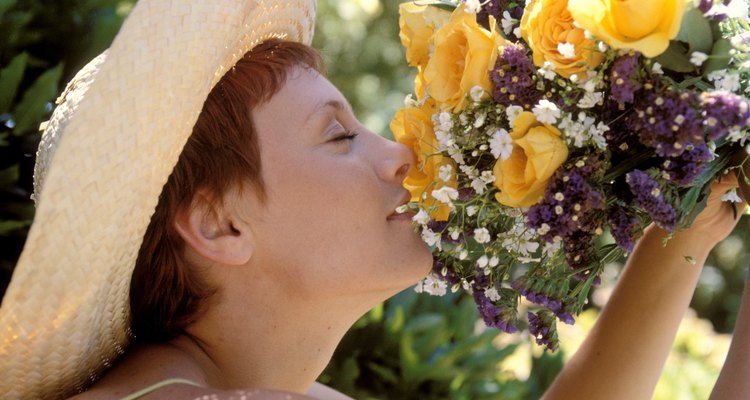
column 221, row 153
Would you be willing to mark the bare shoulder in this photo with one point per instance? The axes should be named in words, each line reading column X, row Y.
column 142, row 366
column 186, row 391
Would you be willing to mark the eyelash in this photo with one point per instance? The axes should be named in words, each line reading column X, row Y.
column 347, row 135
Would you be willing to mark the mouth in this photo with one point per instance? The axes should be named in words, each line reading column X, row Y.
column 402, row 211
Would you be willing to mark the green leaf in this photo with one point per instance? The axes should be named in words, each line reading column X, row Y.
column 31, row 109
column 383, row 373
column 695, row 30
column 10, row 79
column 8, row 227
column 676, row 58
column 719, row 56
column 9, row 176
column 5, row 5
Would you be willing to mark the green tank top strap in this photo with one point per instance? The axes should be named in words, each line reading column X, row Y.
column 156, row 386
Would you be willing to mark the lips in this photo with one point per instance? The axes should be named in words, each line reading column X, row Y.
column 407, row 214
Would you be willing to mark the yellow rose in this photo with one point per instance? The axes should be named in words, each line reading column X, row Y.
column 464, row 55
column 538, row 150
column 417, row 24
column 545, row 25
column 413, row 127
column 645, row 26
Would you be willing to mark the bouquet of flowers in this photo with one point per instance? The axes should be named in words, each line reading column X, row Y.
column 550, row 134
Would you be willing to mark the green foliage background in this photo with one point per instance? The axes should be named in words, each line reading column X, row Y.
column 411, row 346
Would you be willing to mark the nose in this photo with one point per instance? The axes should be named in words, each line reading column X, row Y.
column 396, row 161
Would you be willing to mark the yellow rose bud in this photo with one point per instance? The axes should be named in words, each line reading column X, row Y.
column 545, row 26
column 417, row 23
column 645, row 26
column 413, row 127
column 538, row 150
column 464, row 55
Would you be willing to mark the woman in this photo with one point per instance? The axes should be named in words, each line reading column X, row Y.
column 275, row 230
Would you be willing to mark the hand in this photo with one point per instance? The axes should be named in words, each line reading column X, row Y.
column 719, row 217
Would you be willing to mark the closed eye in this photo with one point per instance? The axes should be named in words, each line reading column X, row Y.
column 347, row 135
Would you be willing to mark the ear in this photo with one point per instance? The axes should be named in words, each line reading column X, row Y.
column 214, row 232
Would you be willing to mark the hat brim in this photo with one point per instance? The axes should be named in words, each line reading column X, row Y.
column 65, row 316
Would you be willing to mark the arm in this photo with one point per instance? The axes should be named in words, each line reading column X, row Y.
column 733, row 382
column 623, row 355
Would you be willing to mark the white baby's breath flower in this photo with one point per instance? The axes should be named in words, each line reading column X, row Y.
column 479, row 120
column 736, row 135
column 551, row 248
column 421, row 217
column 445, row 172
column 729, row 82
column 546, row 112
column 445, row 194
column 478, row 185
column 602, row 47
column 501, row 144
column 591, row 100
column 454, row 232
column 566, row 50
column 656, row 68
column 470, row 171
column 512, row 112
column 432, row 285
column 482, row 235
column 476, row 93
column 472, row 6
column 487, row 177
column 463, row 254
column 737, row 9
column 492, row 294
column 547, row 70
column 409, row 101
column 456, row 155
column 731, row 196
column 697, row 58
column 483, row 261
column 471, row 210
column 430, row 237
column 507, row 22
column 517, row 31
column 494, row 261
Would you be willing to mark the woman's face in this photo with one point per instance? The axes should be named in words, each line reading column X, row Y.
column 328, row 226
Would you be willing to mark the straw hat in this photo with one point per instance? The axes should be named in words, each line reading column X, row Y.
column 126, row 118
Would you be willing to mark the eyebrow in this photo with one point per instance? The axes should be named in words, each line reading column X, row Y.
column 335, row 104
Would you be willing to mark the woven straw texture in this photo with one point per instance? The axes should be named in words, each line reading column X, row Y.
column 126, row 117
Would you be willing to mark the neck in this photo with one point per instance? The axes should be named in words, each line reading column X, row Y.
column 268, row 338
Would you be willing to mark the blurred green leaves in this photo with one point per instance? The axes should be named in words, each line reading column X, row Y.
column 418, row 346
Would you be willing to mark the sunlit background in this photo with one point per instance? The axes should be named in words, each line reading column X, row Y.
column 413, row 346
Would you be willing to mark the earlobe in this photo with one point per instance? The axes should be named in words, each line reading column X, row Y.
column 214, row 233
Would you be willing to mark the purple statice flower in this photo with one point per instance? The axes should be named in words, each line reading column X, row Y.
column 568, row 201
column 624, row 226
column 649, row 197
column 512, row 78
column 495, row 8
column 579, row 253
column 724, row 112
column 686, row 167
column 501, row 318
column 705, row 5
column 450, row 276
column 666, row 120
column 623, row 78
column 543, row 329
column 555, row 305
